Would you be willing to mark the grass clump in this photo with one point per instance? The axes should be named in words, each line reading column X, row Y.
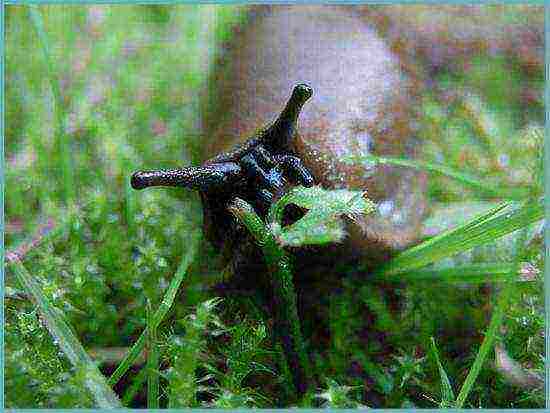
column 34, row 362
column 203, row 373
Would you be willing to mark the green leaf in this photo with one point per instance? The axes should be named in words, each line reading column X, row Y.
column 447, row 394
column 323, row 222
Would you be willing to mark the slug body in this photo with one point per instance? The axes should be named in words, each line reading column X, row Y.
column 364, row 104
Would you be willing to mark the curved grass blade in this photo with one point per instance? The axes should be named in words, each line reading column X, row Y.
column 60, row 108
column 104, row 396
column 470, row 181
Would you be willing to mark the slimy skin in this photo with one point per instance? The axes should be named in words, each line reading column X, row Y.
column 365, row 101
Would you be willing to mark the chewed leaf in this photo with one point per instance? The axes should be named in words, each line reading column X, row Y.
column 323, row 222
column 310, row 232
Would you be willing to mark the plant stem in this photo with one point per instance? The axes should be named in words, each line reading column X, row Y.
column 152, row 361
column 287, row 328
column 487, row 345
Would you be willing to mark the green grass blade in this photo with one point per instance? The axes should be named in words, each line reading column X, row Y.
column 447, row 394
column 152, row 361
column 487, row 227
column 161, row 312
column 487, row 345
column 472, row 273
column 67, row 170
column 132, row 355
column 61, row 224
column 70, row 345
column 503, row 303
column 472, row 182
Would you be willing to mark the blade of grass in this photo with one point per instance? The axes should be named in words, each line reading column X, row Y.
column 433, row 243
column 288, row 330
column 161, row 312
column 472, row 182
column 483, row 229
column 487, row 344
column 472, row 273
column 152, row 361
column 503, row 303
column 60, row 108
column 67, row 341
column 447, row 394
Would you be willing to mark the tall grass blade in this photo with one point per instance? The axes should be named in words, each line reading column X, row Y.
column 70, row 345
column 503, row 303
column 481, row 230
column 487, row 345
column 472, row 182
column 152, row 361
column 60, row 108
column 472, row 273
column 161, row 312
column 447, row 394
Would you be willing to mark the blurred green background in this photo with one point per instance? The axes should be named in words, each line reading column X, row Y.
column 93, row 93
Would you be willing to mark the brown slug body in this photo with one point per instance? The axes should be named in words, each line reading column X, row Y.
column 451, row 36
column 364, row 102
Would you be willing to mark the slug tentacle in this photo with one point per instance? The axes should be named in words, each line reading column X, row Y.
column 282, row 131
column 293, row 167
column 265, row 178
column 203, row 178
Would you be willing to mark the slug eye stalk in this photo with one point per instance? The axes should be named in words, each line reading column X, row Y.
column 280, row 134
column 200, row 178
